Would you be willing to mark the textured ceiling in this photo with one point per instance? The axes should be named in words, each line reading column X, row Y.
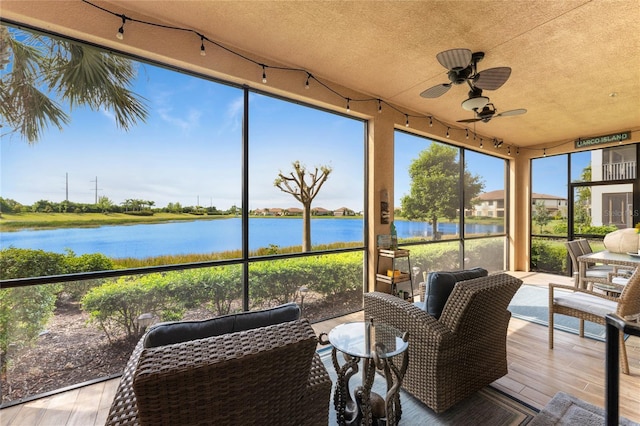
column 567, row 57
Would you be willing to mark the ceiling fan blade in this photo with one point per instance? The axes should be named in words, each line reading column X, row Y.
column 512, row 112
column 492, row 78
column 454, row 58
column 469, row 120
column 436, row 91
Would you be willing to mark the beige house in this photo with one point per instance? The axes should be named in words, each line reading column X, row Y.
column 491, row 204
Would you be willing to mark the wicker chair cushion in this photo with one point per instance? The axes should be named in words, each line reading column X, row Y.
column 440, row 285
column 586, row 303
column 169, row 333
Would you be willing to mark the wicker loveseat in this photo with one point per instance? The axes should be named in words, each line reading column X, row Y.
column 265, row 375
column 464, row 350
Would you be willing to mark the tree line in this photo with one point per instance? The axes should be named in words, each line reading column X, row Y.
column 105, row 205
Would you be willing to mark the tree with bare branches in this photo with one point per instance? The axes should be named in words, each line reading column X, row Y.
column 295, row 184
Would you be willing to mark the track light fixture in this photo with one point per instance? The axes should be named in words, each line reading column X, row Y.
column 120, row 33
column 471, row 102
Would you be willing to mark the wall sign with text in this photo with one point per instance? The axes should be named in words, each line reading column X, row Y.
column 616, row 137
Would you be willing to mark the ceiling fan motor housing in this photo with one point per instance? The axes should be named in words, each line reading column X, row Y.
column 459, row 76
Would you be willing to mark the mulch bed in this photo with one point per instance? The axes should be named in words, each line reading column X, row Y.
column 72, row 351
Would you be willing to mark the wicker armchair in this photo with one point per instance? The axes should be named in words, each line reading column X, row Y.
column 452, row 357
column 267, row 375
column 594, row 273
column 591, row 306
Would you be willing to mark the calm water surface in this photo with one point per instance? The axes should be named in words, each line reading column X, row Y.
column 208, row 236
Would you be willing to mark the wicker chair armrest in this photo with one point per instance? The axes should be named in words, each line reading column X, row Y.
column 123, row 409
column 495, row 290
column 403, row 315
column 553, row 286
column 318, row 375
column 621, row 272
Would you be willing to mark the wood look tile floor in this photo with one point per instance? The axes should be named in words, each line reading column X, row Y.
column 536, row 373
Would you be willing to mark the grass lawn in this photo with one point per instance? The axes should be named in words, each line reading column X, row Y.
column 20, row 221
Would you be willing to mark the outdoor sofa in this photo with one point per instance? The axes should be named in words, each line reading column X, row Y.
column 252, row 368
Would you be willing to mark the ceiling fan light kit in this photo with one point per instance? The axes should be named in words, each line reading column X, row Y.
column 475, row 103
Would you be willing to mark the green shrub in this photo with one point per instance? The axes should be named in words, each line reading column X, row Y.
column 335, row 274
column 548, row 256
column 24, row 263
column 598, row 230
column 116, row 306
column 561, row 228
column 277, row 281
column 84, row 263
column 25, row 311
column 216, row 287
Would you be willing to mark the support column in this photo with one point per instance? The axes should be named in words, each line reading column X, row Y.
column 380, row 168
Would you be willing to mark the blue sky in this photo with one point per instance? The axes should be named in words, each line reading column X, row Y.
column 189, row 151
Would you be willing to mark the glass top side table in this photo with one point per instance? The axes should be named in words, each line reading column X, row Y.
column 375, row 344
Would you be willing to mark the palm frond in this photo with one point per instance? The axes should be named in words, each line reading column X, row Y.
column 41, row 69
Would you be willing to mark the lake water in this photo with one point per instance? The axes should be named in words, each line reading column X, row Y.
column 208, row 236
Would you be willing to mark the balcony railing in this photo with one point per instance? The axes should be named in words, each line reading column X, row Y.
column 619, row 171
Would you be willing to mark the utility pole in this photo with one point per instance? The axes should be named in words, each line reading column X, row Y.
column 66, row 197
column 96, row 189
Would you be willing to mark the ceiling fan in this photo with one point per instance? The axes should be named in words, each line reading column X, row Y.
column 462, row 66
column 488, row 112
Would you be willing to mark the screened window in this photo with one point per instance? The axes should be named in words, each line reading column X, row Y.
column 449, row 202
column 105, row 231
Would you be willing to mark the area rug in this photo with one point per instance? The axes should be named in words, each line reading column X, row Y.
column 565, row 409
column 487, row 407
column 531, row 303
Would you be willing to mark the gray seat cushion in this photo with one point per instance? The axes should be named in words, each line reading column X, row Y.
column 586, row 303
column 440, row 285
column 169, row 333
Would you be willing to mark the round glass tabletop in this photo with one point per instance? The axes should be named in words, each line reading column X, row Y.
column 361, row 339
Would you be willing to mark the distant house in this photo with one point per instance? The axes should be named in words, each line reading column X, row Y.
column 292, row 211
column 555, row 205
column 491, row 204
column 268, row 212
column 296, row 211
column 319, row 211
column 343, row 211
